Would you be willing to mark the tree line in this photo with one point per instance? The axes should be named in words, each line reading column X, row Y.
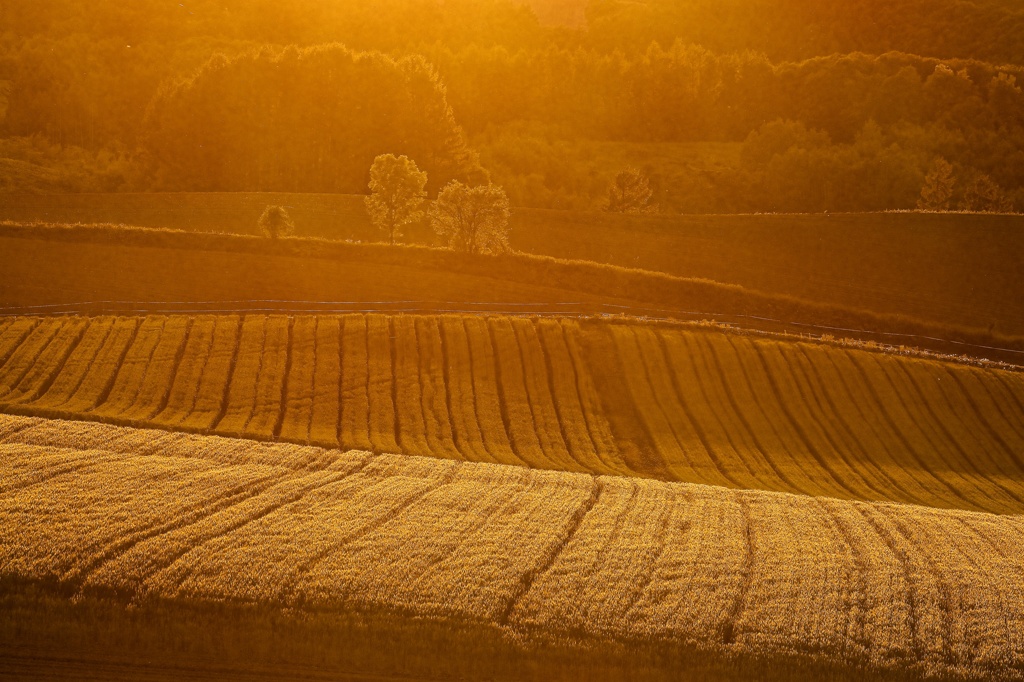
column 204, row 96
column 301, row 120
column 468, row 218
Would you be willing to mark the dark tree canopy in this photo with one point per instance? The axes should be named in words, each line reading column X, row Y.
column 275, row 222
column 309, row 120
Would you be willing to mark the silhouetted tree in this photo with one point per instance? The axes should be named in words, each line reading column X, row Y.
column 472, row 219
column 630, row 192
column 397, row 190
column 275, row 222
column 938, row 187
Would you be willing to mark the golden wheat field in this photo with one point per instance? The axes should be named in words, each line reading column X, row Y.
column 669, row 402
column 590, row 571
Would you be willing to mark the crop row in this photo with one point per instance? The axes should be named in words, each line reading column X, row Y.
column 604, row 398
column 569, row 558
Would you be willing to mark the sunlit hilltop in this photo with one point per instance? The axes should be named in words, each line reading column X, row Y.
column 512, row 340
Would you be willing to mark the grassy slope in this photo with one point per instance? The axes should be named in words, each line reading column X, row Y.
column 666, row 402
column 958, row 270
column 481, row 570
column 152, row 270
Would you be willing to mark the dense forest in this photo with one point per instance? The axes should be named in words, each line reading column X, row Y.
column 725, row 106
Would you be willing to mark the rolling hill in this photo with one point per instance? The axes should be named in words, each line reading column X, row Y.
column 675, row 403
column 55, row 269
column 251, row 557
column 956, row 270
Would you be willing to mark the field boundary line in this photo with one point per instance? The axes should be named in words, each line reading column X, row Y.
column 465, row 450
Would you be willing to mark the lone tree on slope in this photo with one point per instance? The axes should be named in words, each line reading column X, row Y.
column 396, row 194
column 275, row 222
column 472, row 219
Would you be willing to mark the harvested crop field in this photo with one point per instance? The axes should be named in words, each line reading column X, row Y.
column 675, row 403
column 568, row 571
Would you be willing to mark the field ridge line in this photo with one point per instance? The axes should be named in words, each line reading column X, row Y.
column 8, row 388
column 982, row 420
column 728, row 632
column 809, row 397
column 232, row 365
column 179, row 357
column 679, row 394
column 62, row 469
column 499, row 391
column 809, row 367
column 996, row 385
column 269, row 509
column 21, row 339
column 104, row 394
column 798, row 428
column 549, row 370
column 92, row 359
column 312, row 378
column 288, row 590
column 339, row 418
column 259, row 375
column 393, row 350
column 885, row 418
column 703, row 382
column 548, row 559
column 930, row 566
column 574, row 367
column 186, row 517
column 58, row 367
column 640, row 587
column 202, row 371
column 129, row 405
column 285, row 381
column 904, row 562
column 930, row 434
column 857, row 559
column 465, row 450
